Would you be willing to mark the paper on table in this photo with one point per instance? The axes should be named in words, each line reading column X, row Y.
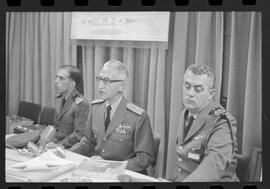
column 14, row 155
column 130, row 176
column 97, row 168
column 15, row 175
column 47, row 160
column 39, row 169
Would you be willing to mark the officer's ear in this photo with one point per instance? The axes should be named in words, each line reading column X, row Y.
column 212, row 93
column 123, row 85
column 72, row 84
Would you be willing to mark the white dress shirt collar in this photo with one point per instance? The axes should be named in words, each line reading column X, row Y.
column 114, row 106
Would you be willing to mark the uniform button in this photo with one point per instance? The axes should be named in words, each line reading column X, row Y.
column 179, row 169
column 179, row 159
column 121, row 139
column 180, row 147
column 103, row 150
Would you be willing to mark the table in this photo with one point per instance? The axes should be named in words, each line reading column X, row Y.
column 18, row 124
column 137, row 177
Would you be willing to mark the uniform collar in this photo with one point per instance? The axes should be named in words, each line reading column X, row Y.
column 113, row 105
column 71, row 93
column 204, row 111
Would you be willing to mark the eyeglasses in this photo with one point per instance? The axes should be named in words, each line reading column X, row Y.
column 106, row 80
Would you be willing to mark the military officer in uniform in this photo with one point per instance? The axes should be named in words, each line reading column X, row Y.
column 71, row 108
column 206, row 141
column 119, row 130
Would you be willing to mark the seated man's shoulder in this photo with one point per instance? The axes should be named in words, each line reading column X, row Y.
column 217, row 111
column 220, row 112
column 79, row 100
column 134, row 108
column 97, row 101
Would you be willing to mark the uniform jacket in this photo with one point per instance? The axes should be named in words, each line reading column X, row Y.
column 208, row 152
column 128, row 137
column 70, row 119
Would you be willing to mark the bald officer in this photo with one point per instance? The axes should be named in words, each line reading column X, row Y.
column 206, row 141
column 119, row 130
column 71, row 108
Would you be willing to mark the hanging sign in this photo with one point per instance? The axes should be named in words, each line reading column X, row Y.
column 132, row 26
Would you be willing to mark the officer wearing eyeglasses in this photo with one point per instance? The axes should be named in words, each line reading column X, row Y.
column 119, row 130
column 206, row 147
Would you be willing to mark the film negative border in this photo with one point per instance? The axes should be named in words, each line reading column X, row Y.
column 127, row 5
column 146, row 5
column 49, row 3
column 136, row 186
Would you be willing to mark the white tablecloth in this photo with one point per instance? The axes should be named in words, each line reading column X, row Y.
column 78, row 158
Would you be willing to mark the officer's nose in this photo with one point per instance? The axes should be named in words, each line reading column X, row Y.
column 101, row 84
column 56, row 81
column 191, row 92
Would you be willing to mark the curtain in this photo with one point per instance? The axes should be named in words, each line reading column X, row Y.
column 37, row 44
column 243, row 87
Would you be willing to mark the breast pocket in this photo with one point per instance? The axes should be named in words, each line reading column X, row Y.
column 120, row 137
column 195, row 145
column 195, row 150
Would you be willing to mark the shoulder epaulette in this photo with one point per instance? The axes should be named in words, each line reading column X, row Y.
column 217, row 111
column 97, row 101
column 77, row 98
column 134, row 108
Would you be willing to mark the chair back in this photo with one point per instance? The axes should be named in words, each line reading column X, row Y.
column 242, row 167
column 255, row 165
column 249, row 168
column 156, row 143
column 151, row 169
column 29, row 110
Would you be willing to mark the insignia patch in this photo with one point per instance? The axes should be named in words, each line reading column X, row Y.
column 134, row 108
column 78, row 100
column 123, row 129
column 217, row 111
column 97, row 101
column 198, row 137
column 58, row 95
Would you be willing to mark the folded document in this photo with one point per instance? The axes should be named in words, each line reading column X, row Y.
column 39, row 169
column 100, row 169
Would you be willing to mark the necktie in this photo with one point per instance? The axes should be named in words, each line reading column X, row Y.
column 190, row 121
column 63, row 102
column 108, row 114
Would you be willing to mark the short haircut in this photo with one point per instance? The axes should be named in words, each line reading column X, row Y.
column 74, row 73
column 117, row 65
column 202, row 70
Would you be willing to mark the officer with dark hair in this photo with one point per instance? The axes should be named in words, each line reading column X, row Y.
column 206, row 144
column 71, row 108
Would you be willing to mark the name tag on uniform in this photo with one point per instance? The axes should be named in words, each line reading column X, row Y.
column 194, row 156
